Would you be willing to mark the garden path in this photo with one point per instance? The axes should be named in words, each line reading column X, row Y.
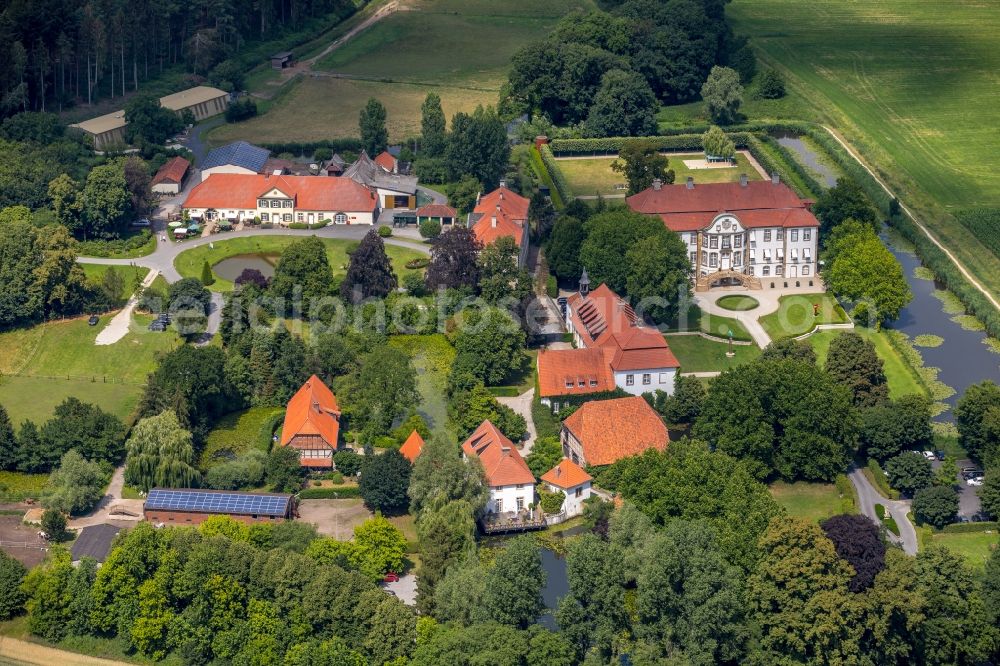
column 119, row 325
column 868, row 497
column 522, row 405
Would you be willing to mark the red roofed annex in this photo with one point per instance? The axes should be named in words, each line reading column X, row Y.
column 501, row 213
column 312, row 424
column 601, row 432
column 755, row 233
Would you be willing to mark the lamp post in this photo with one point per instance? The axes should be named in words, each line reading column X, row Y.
column 730, row 353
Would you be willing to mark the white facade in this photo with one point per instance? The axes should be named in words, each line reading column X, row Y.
column 575, row 497
column 764, row 252
column 166, row 188
column 506, row 499
column 646, row 380
column 225, row 168
column 275, row 207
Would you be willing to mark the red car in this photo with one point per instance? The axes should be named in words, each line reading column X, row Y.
column 390, row 577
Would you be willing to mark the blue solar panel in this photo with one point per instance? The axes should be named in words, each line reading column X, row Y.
column 239, row 153
column 217, row 502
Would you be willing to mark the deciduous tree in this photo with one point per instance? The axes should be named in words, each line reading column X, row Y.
column 723, row 95
column 610, row 236
column 977, row 415
column 865, row 271
column 160, row 453
column 76, row 485
column 302, row 277
column 12, row 597
column 909, row 472
column 858, row 542
column 903, row 424
column 716, row 143
column 658, row 277
column 936, row 506
column 640, row 162
column 562, row 250
column 844, row 201
column 490, row 345
column 853, row 362
column 623, row 106
column 514, row 584
column 447, row 533
column 371, row 123
column 454, row 262
column 384, row 482
column 432, row 126
column 478, row 146
column 440, row 475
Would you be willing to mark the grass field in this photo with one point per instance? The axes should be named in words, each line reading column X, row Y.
column 237, row 433
column 697, row 354
column 813, row 501
column 589, row 176
column 44, row 364
column 189, row 262
column 912, row 85
column 794, row 315
column 720, row 326
column 95, row 275
column 432, row 356
column 738, row 303
column 898, row 373
column 975, row 547
column 459, row 49
column 15, row 486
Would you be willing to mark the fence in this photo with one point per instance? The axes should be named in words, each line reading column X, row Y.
column 93, row 379
column 24, row 544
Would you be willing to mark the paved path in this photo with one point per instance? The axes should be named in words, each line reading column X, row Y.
column 405, row 589
column 868, row 497
column 522, row 405
column 768, row 299
column 112, row 500
column 119, row 325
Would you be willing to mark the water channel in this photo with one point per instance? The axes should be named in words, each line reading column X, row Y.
column 963, row 358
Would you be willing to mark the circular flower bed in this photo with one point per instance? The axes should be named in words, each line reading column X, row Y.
column 414, row 264
column 738, row 303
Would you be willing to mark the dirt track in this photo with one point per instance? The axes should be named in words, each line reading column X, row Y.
column 30, row 653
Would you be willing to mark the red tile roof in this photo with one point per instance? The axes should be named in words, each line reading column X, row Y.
column 171, row 172
column 756, row 204
column 589, row 366
column 502, row 463
column 386, row 161
column 313, row 410
column 319, row 193
column 609, row 430
column 567, row 474
column 412, row 447
column 502, row 213
column 436, row 210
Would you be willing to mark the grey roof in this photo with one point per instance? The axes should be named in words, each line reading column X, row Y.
column 238, row 153
column 215, row 501
column 94, row 541
column 369, row 174
column 282, row 54
column 338, row 160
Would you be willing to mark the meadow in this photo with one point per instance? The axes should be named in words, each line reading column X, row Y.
column 900, row 376
column 812, row 501
column 239, row 432
column 911, row 85
column 698, row 354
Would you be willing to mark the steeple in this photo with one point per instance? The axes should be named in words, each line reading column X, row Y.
column 584, row 283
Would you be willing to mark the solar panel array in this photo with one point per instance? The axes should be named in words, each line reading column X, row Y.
column 208, row 502
column 239, row 153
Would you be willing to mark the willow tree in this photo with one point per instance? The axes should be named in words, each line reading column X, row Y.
column 160, row 453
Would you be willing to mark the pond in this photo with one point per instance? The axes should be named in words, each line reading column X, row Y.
column 231, row 267
column 556, row 586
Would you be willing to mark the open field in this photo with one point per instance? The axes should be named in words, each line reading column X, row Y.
column 795, row 315
column 912, row 85
column 459, row 49
column 698, row 354
column 95, row 275
column 239, row 432
column 975, row 547
column 897, row 372
column 813, row 501
column 189, row 262
column 588, row 176
column 44, row 364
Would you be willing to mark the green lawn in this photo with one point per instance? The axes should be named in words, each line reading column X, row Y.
column 975, row 547
column 698, row 354
column 899, row 374
column 720, row 326
column 95, row 275
column 238, row 432
column 738, row 303
column 432, row 356
column 794, row 315
column 189, row 262
column 813, row 501
column 44, row 364
column 592, row 176
column 912, row 85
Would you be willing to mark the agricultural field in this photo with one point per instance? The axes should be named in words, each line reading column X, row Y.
column 698, row 354
column 590, row 176
column 912, row 85
column 459, row 49
column 898, row 373
column 189, row 263
column 42, row 365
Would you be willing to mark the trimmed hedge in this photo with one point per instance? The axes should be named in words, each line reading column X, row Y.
column 880, row 481
column 267, row 430
column 330, row 493
column 846, row 491
column 306, row 225
column 555, row 174
column 967, row 528
column 538, row 164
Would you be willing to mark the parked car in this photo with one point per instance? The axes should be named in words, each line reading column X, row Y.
column 390, row 577
column 928, row 454
column 939, row 455
column 142, row 222
column 92, row 321
column 157, row 327
column 975, row 481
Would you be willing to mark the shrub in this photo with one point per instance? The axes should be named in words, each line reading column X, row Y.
column 241, row 109
column 880, row 481
column 414, row 285
column 430, row 228
column 347, row 462
column 384, row 232
column 12, row 597
column 54, row 524
column 770, row 85
column 880, row 511
column 551, row 287
column 551, row 502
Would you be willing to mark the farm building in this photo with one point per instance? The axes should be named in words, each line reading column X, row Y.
column 312, row 424
column 236, row 157
column 440, row 213
column 602, row 432
column 105, row 130
column 169, row 179
column 501, row 213
column 335, row 166
column 187, row 506
column 394, row 190
column 752, row 233
column 280, row 200
column 94, row 541
column 281, row 60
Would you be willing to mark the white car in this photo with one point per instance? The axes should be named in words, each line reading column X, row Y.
column 977, row 481
column 929, row 455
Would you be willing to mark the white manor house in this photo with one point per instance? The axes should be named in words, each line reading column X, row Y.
column 756, row 233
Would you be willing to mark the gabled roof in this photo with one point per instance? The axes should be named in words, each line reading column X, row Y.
column 171, row 172
column 238, row 153
column 313, row 410
column 436, row 210
column 386, row 161
column 412, row 447
column 94, row 541
column 600, row 313
column 586, row 370
column 185, row 98
column 500, row 213
column 238, row 190
column 502, row 463
column 609, row 430
column 217, row 501
column 366, row 172
column 567, row 474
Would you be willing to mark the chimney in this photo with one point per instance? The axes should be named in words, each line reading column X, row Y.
column 743, row 180
column 775, row 179
column 690, row 182
column 584, row 283
column 503, row 184
column 501, row 197
column 657, row 184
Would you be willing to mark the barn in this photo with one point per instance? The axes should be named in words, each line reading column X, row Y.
column 186, row 506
